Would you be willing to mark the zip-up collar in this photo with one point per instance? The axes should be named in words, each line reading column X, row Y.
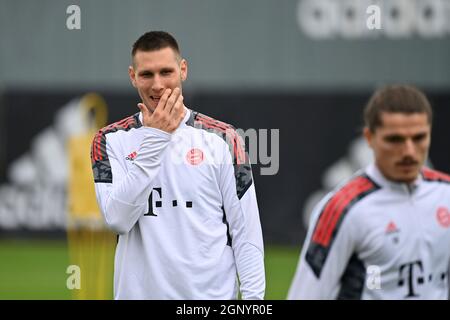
column 374, row 173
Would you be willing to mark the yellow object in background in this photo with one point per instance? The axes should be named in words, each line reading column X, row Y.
column 91, row 245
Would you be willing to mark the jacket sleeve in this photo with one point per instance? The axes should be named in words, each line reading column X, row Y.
column 242, row 215
column 122, row 194
column 322, row 262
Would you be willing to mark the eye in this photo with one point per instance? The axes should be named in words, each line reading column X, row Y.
column 146, row 74
column 166, row 72
column 419, row 137
column 394, row 139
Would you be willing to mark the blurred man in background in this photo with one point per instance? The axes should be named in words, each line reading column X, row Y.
column 177, row 187
column 385, row 233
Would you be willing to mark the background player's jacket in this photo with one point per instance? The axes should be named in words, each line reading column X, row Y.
column 376, row 239
column 185, row 207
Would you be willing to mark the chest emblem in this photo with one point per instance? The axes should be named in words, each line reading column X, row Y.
column 443, row 217
column 195, row 156
column 131, row 156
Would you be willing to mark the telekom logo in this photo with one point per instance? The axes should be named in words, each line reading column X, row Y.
column 443, row 217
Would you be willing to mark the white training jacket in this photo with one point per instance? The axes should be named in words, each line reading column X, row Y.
column 376, row 239
column 184, row 206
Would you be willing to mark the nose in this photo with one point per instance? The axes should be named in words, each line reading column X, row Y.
column 157, row 85
column 410, row 148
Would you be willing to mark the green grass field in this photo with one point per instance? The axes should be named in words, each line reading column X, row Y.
column 36, row 269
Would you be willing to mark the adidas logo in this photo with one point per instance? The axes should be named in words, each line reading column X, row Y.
column 131, row 156
column 391, row 228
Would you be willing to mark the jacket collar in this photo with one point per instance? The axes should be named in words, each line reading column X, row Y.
column 375, row 174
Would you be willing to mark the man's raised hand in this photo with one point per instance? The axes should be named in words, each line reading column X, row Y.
column 168, row 114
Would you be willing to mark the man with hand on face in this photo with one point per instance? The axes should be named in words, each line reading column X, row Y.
column 385, row 233
column 177, row 187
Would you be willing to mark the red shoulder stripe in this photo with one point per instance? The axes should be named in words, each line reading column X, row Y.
column 434, row 175
column 208, row 120
column 96, row 147
column 231, row 136
column 336, row 206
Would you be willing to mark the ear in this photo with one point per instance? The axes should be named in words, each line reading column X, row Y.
column 132, row 75
column 368, row 135
column 184, row 69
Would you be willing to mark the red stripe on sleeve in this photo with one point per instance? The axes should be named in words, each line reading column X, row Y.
column 434, row 175
column 334, row 209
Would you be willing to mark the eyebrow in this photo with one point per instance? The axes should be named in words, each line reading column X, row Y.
column 147, row 72
column 167, row 69
column 400, row 136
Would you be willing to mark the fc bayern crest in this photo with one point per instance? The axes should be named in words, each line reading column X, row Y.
column 195, row 156
column 443, row 217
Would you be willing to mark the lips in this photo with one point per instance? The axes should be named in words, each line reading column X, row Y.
column 407, row 164
column 407, row 167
